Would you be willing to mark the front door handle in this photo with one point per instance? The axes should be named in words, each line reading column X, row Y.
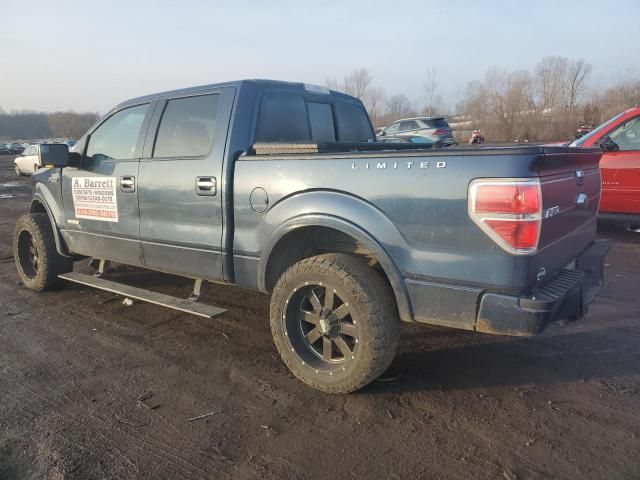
column 206, row 186
column 128, row 184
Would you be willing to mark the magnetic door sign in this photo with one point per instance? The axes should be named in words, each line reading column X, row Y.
column 94, row 198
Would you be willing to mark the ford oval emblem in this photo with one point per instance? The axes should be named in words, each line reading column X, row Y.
column 581, row 199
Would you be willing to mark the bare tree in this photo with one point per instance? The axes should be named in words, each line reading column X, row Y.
column 70, row 124
column 357, row 83
column 332, row 83
column 32, row 125
column 550, row 79
column 374, row 102
column 575, row 83
column 623, row 94
column 398, row 106
column 430, row 86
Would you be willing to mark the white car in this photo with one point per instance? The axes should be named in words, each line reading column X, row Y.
column 28, row 162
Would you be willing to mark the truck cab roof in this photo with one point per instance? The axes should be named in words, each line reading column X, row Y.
column 257, row 85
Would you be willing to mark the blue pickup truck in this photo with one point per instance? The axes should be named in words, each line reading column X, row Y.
column 282, row 188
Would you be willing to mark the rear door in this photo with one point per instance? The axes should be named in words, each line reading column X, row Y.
column 181, row 190
column 101, row 196
column 621, row 170
column 408, row 127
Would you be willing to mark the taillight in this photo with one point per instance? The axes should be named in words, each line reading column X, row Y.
column 441, row 131
column 509, row 212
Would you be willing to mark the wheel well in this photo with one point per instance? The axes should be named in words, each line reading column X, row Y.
column 311, row 241
column 37, row 207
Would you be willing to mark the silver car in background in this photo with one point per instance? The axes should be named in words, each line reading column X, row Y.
column 435, row 129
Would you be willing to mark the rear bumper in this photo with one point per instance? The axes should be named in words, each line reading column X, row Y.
column 567, row 295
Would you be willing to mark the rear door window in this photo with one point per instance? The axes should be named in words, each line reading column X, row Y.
column 409, row 125
column 282, row 118
column 187, row 127
column 321, row 122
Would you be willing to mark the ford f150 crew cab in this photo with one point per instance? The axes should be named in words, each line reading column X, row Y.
column 281, row 187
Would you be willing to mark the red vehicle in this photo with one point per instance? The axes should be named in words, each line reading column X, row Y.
column 619, row 139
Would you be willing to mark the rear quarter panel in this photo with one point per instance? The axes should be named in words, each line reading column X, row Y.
column 417, row 206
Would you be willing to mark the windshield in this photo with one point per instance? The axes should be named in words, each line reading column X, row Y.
column 596, row 132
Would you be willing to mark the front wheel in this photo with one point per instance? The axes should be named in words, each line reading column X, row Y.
column 18, row 171
column 334, row 322
column 34, row 250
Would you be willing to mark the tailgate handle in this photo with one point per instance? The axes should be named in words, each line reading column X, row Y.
column 579, row 177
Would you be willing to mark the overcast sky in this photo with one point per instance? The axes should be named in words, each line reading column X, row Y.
column 90, row 55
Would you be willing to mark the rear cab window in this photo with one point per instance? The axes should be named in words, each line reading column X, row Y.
column 321, row 122
column 292, row 117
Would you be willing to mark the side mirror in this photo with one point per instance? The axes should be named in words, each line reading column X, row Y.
column 54, row 155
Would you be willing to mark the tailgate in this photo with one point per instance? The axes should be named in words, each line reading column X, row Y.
column 571, row 185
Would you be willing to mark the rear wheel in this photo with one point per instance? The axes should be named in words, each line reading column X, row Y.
column 334, row 322
column 34, row 250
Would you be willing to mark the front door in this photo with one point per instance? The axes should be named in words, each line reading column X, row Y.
column 100, row 197
column 180, row 190
column 621, row 170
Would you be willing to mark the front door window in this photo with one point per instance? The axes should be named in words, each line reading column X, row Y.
column 627, row 135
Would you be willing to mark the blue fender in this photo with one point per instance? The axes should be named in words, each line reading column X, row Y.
column 373, row 230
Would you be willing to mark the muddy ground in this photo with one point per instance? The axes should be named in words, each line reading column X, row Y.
column 73, row 364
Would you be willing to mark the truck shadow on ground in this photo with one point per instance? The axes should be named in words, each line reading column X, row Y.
column 440, row 359
column 428, row 363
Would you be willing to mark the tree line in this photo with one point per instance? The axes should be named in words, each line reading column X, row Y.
column 547, row 103
column 26, row 125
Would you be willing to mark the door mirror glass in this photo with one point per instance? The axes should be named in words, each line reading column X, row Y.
column 54, row 154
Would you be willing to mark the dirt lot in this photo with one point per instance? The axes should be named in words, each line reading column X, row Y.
column 73, row 363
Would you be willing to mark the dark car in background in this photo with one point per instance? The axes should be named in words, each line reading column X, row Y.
column 16, row 148
column 435, row 129
column 4, row 149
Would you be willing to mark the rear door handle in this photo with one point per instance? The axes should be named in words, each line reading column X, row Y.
column 128, row 184
column 206, row 186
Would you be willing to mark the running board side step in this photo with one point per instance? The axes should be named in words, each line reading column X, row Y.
column 182, row 304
